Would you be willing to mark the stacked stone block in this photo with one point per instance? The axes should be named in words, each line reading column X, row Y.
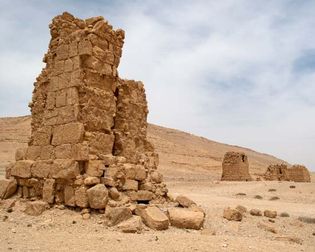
column 88, row 146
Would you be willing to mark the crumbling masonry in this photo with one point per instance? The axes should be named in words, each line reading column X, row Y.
column 235, row 167
column 281, row 172
column 88, row 146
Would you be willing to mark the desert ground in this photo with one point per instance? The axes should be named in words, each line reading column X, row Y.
column 191, row 166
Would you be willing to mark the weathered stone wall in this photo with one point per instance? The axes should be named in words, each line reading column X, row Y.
column 88, row 126
column 296, row 173
column 235, row 167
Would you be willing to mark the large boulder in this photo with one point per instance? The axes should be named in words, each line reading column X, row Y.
column 270, row 213
column 7, row 188
column 185, row 218
column 154, row 218
column 98, row 196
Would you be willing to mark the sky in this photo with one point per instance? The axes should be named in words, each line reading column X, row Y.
column 238, row 72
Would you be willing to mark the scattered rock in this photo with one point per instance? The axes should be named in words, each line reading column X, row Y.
column 86, row 216
column 255, row 212
column 240, row 194
column 241, row 209
column 266, row 227
column 154, row 218
column 270, row 214
column 184, row 201
column 308, row 220
column 35, row 208
column 274, row 198
column 117, row 215
column 258, row 197
column 271, row 220
column 132, row 225
column 284, row 214
column 185, row 218
column 292, row 186
column 97, row 196
column 232, row 214
column 290, row 239
column 113, row 193
column 7, row 188
column 272, row 190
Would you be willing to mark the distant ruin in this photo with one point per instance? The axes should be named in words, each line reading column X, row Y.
column 281, row 172
column 235, row 167
column 88, row 145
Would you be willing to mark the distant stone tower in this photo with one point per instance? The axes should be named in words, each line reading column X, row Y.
column 299, row 173
column 235, row 167
column 281, row 172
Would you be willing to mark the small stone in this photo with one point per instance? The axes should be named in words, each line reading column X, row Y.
column 284, row 214
column 97, row 196
column 270, row 214
column 118, row 214
column 292, row 186
column 258, row 197
column 132, row 225
column 241, row 209
column 255, row 212
column 232, row 214
column 267, row 227
column 35, row 208
column 86, row 216
column 113, row 193
column 184, row 201
column 7, row 188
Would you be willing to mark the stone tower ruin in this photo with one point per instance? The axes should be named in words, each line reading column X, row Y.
column 235, row 167
column 281, row 172
column 88, row 146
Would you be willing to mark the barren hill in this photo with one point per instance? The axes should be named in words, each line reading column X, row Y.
column 183, row 156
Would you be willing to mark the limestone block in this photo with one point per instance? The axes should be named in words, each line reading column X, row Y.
column 69, row 196
column 73, row 49
column 62, row 52
column 7, row 188
column 59, row 67
column 42, row 136
column 141, row 195
column 20, row 154
column 117, row 215
column 114, row 193
column 48, row 191
column 42, row 169
column 35, row 208
column 101, row 143
column 51, row 96
column 80, row 151
column 94, row 168
column 61, row 99
column 154, row 218
column 65, row 169
column 91, row 181
column 141, row 173
column 68, row 65
column 81, row 197
column 63, row 151
column 184, row 201
column 131, row 185
column 98, row 196
column 132, row 225
column 270, row 213
column 22, row 169
column 156, row 177
column 85, row 47
column 185, row 218
column 71, row 133
column 47, row 152
column 33, row 152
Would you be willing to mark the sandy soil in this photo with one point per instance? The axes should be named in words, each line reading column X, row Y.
column 64, row 230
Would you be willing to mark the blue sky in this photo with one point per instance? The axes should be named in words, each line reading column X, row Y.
column 239, row 72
